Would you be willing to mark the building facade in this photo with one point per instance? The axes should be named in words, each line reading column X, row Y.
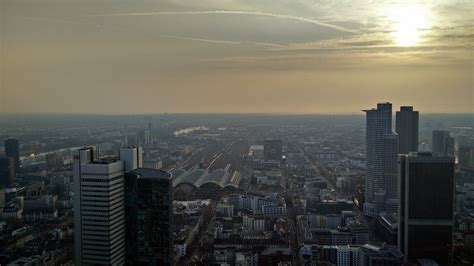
column 99, row 205
column 12, row 149
column 426, row 187
column 406, row 126
column 149, row 210
column 7, row 171
column 381, row 153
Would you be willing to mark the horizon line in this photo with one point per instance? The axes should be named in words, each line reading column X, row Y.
column 216, row 113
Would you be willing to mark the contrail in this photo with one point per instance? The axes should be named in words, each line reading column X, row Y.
column 201, row 39
column 222, row 41
column 233, row 12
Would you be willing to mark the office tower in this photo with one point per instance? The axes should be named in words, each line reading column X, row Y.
column 466, row 157
column 7, row 171
column 389, row 172
column 466, row 153
column 133, row 157
column 426, row 191
column 382, row 150
column 273, row 150
column 149, row 210
column 12, row 149
column 442, row 143
column 99, row 209
column 406, row 126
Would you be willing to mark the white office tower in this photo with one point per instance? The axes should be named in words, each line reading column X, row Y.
column 382, row 152
column 133, row 158
column 99, row 212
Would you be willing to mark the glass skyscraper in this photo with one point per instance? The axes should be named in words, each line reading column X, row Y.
column 381, row 154
column 426, row 195
column 7, row 171
column 407, row 129
column 12, row 149
column 149, row 210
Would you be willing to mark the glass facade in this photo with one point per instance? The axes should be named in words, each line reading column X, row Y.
column 148, row 217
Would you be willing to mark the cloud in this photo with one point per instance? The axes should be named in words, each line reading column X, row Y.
column 330, row 60
column 234, row 12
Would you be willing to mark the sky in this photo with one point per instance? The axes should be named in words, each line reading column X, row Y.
column 235, row 56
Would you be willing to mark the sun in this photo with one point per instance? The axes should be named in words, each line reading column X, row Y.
column 408, row 21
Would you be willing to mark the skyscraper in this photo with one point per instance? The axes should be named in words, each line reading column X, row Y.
column 7, row 171
column 99, row 205
column 466, row 157
column 12, row 149
column 381, row 150
column 273, row 150
column 149, row 209
column 442, row 143
column 426, row 191
column 466, row 153
column 407, row 129
column 132, row 157
column 389, row 171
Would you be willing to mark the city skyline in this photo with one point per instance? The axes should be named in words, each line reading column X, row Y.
column 237, row 132
column 235, row 56
column 238, row 189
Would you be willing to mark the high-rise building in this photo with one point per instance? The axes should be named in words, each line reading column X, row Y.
column 426, row 195
column 273, row 150
column 406, row 126
column 149, row 210
column 466, row 157
column 99, row 205
column 7, row 171
column 389, row 171
column 466, row 153
column 381, row 150
column 132, row 157
column 12, row 149
column 442, row 143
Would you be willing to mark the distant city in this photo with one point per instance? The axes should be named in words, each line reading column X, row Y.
column 386, row 187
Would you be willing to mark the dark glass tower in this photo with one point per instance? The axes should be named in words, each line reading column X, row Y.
column 149, row 210
column 426, row 187
column 7, row 171
column 12, row 149
column 407, row 129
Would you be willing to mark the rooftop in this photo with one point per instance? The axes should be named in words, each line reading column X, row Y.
column 106, row 160
column 151, row 173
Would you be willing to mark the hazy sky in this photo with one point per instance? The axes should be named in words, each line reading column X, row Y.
column 252, row 56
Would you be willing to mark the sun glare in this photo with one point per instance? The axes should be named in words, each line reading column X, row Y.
column 408, row 21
